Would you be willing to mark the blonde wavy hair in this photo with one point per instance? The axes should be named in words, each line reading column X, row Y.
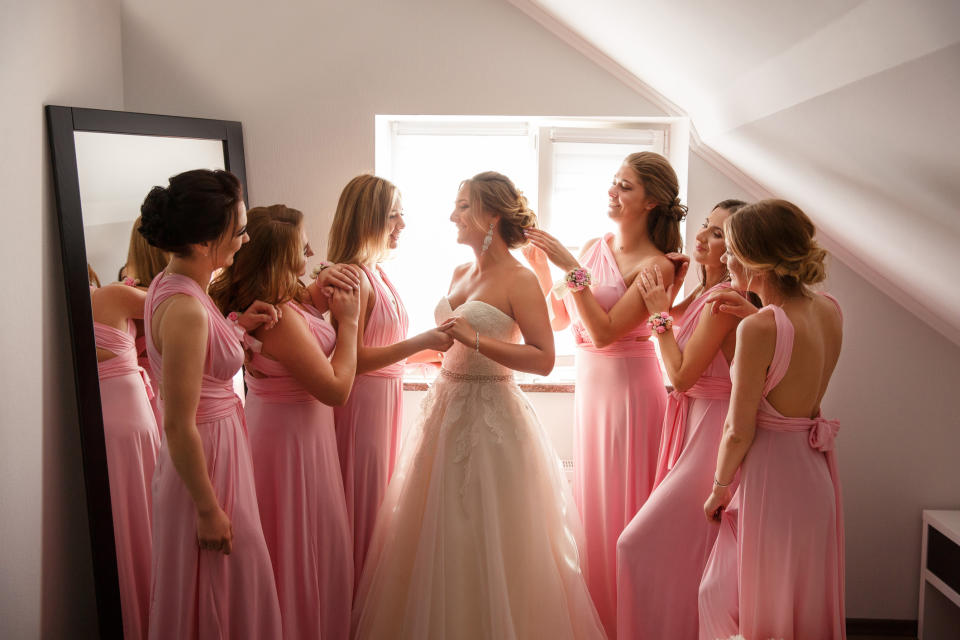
column 496, row 194
column 144, row 261
column 359, row 234
column 777, row 238
column 660, row 185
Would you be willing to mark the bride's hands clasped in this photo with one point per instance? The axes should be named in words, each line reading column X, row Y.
column 460, row 329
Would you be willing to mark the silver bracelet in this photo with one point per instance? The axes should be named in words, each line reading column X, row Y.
column 478, row 340
column 720, row 484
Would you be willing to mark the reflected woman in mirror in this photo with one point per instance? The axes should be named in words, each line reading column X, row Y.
column 620, row 396
column 143, row 264
column 303, row 368
column 777, row 569
column 366, row 227
column 212, row 576
column 132, row 441
column 478, row 534
column 668, row 541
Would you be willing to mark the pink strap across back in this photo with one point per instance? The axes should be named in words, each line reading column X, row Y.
column 822, row 432
column 123, row 345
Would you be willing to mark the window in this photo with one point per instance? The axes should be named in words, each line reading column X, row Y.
column 563, row 167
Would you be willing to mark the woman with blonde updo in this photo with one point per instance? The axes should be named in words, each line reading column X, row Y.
column 620, row 396
column 777, row 568
column 477, row 536
column 366, row 227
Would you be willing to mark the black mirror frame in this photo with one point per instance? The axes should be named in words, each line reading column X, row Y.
column 62, row 122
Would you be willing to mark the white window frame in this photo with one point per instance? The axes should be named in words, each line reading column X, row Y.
column 673, row 133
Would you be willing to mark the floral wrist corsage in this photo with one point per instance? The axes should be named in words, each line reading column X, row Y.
column 660, row 322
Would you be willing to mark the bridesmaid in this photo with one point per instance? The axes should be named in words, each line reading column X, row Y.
column 143, row 264
column 620, row 396
column 662, row 552
column 788, row 503
column 204, row 501
column 132, row 441
column 291, row 383
column 366, row 227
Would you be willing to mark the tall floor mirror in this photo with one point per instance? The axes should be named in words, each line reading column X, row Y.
column 104, row 163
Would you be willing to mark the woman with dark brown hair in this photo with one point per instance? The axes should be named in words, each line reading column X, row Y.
column 366, row 227
column 777, row 569
column 301, row 368
column 620, row 396
column 212, row 576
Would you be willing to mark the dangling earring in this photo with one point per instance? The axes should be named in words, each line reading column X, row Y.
column 487, row 239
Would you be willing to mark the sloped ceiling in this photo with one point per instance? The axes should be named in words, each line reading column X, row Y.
column 849, row 108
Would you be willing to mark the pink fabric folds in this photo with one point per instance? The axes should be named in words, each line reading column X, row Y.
column 300, row 494
column 206, row 594
column 132, row 441
column 662, row 552
column 788, row 508
column 368, row 425
column 618, row 412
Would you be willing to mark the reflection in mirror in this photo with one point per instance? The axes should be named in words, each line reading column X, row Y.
column 105, row 163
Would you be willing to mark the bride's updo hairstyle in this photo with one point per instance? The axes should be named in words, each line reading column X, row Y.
column 496, row 194
column 268, row 266
column 359, row 234
column 776, row 237
column 662, row 187
column 197, row 206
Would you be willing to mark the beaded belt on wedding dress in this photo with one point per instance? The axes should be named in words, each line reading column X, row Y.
column 474, row 378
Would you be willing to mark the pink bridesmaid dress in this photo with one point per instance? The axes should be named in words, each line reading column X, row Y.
column 662, row 552
column 144, row 362
column 618, row 413
column 368, row 425
column 206, row 594
column 777, row 569
column 132, row 441
column 300, row 493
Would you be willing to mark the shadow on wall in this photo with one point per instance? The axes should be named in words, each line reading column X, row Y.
column 68, row 607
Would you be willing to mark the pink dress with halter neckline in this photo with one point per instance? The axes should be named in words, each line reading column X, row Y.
column 368, row 425
column 618, row 412
column 777, row 569
column 132, row 441
column 199, row 594
column 662, row 552
column 300, row 493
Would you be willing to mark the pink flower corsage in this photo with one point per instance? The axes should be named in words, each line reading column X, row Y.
column 130, row 282
column 577, row 279
column 660, row 322
column 317, row 270
column 234, row 319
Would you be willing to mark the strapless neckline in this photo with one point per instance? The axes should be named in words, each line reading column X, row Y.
column 486, row 304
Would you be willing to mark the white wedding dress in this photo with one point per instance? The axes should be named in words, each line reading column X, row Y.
column 478, row 534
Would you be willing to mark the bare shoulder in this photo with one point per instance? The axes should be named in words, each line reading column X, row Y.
column 666, row 267
column 589, row 245
column 458, row 272
column 758, row 328
column 120, row 293
column 185, row 312
column 522, row 281
column 289, row 324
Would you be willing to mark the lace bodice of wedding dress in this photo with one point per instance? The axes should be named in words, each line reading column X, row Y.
column 491, row 322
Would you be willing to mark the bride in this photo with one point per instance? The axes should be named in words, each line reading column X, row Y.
column 477, row 536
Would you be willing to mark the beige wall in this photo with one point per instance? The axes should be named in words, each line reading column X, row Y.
column 52, row 52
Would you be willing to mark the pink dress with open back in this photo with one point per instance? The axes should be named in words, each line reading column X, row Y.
column 662, row 552
column 199, row 594
column 132, row 441
column 618, row 411
column 777, row 569
column 300, row 493
column 368, row 425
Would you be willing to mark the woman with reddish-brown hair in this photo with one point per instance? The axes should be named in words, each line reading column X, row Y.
column 299, row 371
column 777, row 569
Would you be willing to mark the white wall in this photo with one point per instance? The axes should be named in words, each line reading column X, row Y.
column 53, row 52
